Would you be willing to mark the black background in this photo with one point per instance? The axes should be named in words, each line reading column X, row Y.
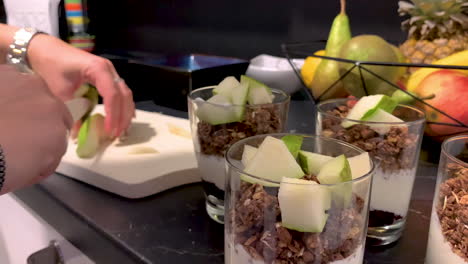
column 241, row 28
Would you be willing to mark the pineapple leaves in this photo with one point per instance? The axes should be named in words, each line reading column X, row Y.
column 460, row 18
column 432, row 19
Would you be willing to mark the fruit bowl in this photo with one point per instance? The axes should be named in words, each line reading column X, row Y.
column 445, row 115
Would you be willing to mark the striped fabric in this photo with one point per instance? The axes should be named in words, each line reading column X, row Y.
column 77, row 22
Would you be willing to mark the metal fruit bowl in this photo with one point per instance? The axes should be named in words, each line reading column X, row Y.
column 305, row 49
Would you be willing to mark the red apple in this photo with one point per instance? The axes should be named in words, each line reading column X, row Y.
column 450, row 90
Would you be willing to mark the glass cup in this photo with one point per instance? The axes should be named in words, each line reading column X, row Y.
column 254, row 231
column 211, row 141
column 448, row 233
column 394, row 148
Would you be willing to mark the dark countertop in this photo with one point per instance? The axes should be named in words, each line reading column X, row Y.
column 172, row 227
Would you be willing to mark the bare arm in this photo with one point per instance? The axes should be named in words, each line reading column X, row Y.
column 65, row 68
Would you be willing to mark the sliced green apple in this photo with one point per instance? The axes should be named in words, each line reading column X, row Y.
column 311, row 162
column 248, row 153
column 294, row 143
column 78, row 107
column 259, row 93
column 225, row 86
column 273, row 161
column 335, row 171
column 239, row 99
column 90, row 136
column 81, row 91
column 384, row 117
column 360, row 165
column 217, row 110
column 303, row 205
column 366, row 106
column 338, row 172
column 93, row 96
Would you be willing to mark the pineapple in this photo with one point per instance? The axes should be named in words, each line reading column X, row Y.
column 436, row 29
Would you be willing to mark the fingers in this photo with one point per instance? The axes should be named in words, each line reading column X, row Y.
column 117, row 97
column 100, row 74
column 75, row 129
column 128, row 105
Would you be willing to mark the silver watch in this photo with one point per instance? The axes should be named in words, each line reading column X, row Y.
column 18, row 50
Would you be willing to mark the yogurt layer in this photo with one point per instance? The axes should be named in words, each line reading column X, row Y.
column 212, row 169
column 438, row 249
column 391, row 192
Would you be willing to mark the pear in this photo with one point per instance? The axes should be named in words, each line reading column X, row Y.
column 369, row 48
column 327, row 72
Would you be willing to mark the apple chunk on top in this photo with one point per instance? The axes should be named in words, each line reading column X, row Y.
column 229, row 99
column 303, row 203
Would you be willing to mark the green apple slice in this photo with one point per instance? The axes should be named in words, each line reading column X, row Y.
column 366, row 106
column 239, row 99
column 385, row 117
column 294, row 143
column 303, row 205
column 93, row 96
column 335, row 171
column 225, row 86
column 90, row 136
column 217, row 110
column 273, row 161
column 360, row 165
column 259, row 93
column 78, row 107
column 81, row 91
column 311, row 162
column 338, row 172
column 248, row 153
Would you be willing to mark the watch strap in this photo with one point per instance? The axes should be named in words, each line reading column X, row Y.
column 18, row 49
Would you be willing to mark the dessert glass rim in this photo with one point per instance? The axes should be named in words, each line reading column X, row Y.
column 421, row 114
column 285, row 97
column 230, row 162
column 449, row 155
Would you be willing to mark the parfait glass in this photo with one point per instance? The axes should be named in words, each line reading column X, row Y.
column 395, row 149
column 448, row 233
column 255, row 231
column 212, row 141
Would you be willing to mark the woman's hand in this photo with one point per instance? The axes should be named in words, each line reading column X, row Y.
column 34, row 127
column 65, row 69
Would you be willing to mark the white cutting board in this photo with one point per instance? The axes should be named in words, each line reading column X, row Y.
column 116, row 170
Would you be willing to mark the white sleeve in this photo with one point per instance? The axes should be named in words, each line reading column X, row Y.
column 39, row 14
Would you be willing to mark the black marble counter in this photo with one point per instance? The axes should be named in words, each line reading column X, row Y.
column 172, row 227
